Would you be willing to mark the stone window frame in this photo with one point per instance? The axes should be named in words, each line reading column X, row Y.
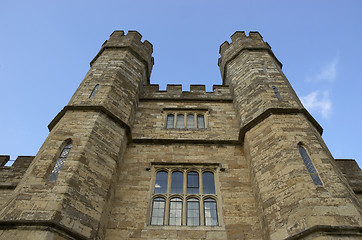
column 310, row 166
column 59, row 163
column 185, row 112
column 185, row 168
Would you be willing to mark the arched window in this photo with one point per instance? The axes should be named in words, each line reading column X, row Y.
column 94, row 91
column 158, row 211
column 180, row 121
column 210, row 212
column 177, row 182
column 161, row 182
column 308, row 163
column 200, row 121
column 276, row 93
column 208, row 183
column 170, row 121
column 175, row 217
column 192, row 183
column 193, row 212
column 60, row 162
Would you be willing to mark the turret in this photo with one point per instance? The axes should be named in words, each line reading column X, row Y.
column 295, row 180
column 67, row 190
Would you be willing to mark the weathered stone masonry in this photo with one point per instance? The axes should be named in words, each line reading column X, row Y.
column 254, row 124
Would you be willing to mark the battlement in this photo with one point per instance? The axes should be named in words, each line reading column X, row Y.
column 10, row 176
column 196, row 93
column 239, row 43
column 132, row 40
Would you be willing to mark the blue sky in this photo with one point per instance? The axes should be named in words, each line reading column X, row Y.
column 46, row 47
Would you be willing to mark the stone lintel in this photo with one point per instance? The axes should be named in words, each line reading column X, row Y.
column 277, row 111
column 184, row 141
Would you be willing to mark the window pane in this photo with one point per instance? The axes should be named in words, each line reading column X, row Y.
column 175, row 212
column 192, row 183
column 308, row 163
column 277, row 93
column 60, row 162
column 190, row 121
column 200, row 121
column 161, row 182
column 193, row 212
column 177, row 182
column 210, row 212
column 170, row 120
column 208, row 183
column 94, row 91
column 158, row 211
column 180, row 121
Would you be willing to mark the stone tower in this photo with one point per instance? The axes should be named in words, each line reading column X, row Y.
column 124, row 160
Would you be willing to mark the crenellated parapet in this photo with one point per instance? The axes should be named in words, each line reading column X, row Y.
column 239, row 43
column 131, row 41
column 196, row 93
column 11, row 175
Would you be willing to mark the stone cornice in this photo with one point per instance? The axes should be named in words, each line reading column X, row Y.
column 278, row 111
column 42, row 225
column 97, row 108
column 330, row 230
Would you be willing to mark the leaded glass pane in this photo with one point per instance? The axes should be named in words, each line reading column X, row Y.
column 200, row 121
column 190, row 121
column 65, row 153
column 170, row 120
column 60, row 162
column 311, row 169
column 180, row 121
column 158, row 211
column 210, row 211
column 177, row 182
column 192, row 183
column 193, row 212
column 208, row 183
column 175, row 212
column 161, row 182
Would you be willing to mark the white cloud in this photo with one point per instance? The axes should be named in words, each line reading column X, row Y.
column 327, row 73
column 318, row 102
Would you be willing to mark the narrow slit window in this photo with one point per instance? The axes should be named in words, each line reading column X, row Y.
column 192, row 183
column 158, row 211
column 208, row 184
column 170, row 121
column 308, row 163
column 180, row 121
column 175, row 212
column 264, row 68
column 210, row 212
column 177, row 182
column 276, row 93
column 193, row 212
column 200, row 121
column 60, row 162
column 161, row 182
column 94, row 91
column 190, row 121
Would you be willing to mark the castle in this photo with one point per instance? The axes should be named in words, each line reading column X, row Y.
column 124, row 160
